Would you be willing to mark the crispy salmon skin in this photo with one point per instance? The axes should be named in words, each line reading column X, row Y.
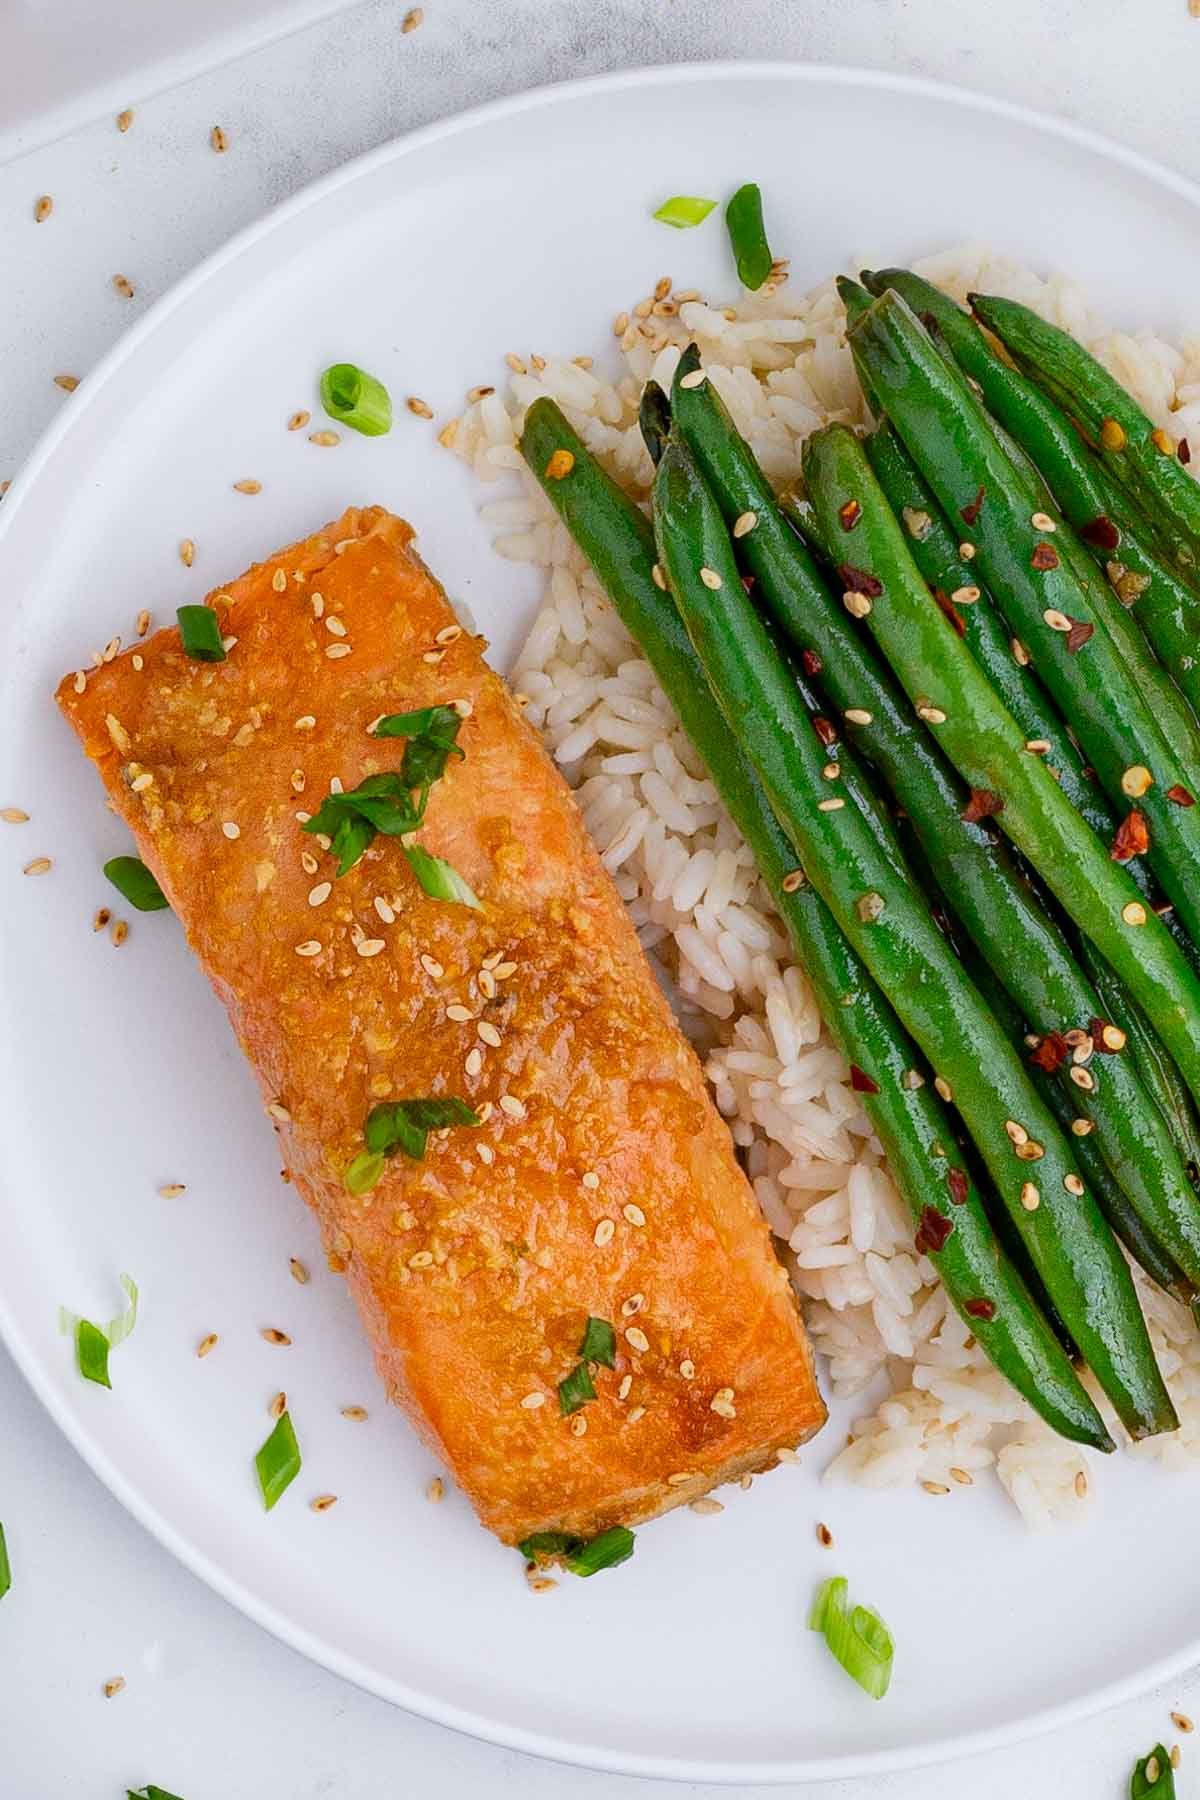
column 601, row 1182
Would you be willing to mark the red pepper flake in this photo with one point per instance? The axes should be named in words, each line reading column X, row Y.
column 748, row 583
column 959, row 1183
column 1081, row 630
column 981, row 1309
column 1045, row 556
column 1051, row 1052
column 861, row 1082
column 1183, row 451
column 857, row 581
column 1180, row 795
column 933, row 1231
column 983, row 804
column 849, row 514
column 1101, row 532
column 970, row 513
column 1132, row 837
column 1096, row 1031
column 951, row 611
column 810, row 662
column 824, row 730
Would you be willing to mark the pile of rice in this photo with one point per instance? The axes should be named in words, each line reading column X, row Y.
column 934, row 1411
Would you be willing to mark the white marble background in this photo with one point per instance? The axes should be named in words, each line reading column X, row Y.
column 215, row 1709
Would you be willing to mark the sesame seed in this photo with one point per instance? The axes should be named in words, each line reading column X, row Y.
column 966, row 551
column 305, row 722
column 80, row 681
column 459, row 1014
column 206, row 1344
column 478, row 393
column 278, row 1405
column 354, row 1412
column 247, row 486
column 831, row 771
column 279, row 581
column 333, row 651
column 275, row 1111
column 711, row 579
column 858, row 605
column 114, row 1686
column 1083, row 1078
column 273, row 1336
column 1181, row 1722
column 1134, row 913
column 1152, row 1770
column 633, row 1305
column 932, row 715
column 489, row 1034
column 370, row 946
column 323, row 1502
column 1020, row 654
column 603, row 1232
column 413, row 18
column 723, row 1407
column 125, row 119
column 658, row 577
column 383, row 910
column 310, row 947
column 694, row 378
column 962, row 1477
column 706, row 1506
column 227, row 644
column 421, row 1259
column 636, row 1413
column 41, row 865
column 334, row 626
column 636, row 1338
column 965, row 596
column 744, row 523
column 1031, row 1151
column 486, row 1154
column 123, row 286
column 858, row 715
column 1082, row 1127
column 299, row 1271
column 119, row 933
column 435, row 1490
column 1136, row 781
column 1043, row 522
column 219, row 140
column 504, row 969
column 512, row 1106
column 1016, row 1132
column 487, row 984
column 531, row 1402
column 231, row 830
column 1057, row 621
column 943, row 1087
column 687, row 1369
column 1030, row 1198
column 43, row 209
column 834, row 805
column 1176, row 1756
column 137, row 662
column 13, row 815
column 432, row 967
column 68, row 383
column 326, row 439
column 793, row 881
column 824, row 1537
column 474, row 1062
column 935, row 1487
column 680, row 1478
column 172, row 1190
column 298, row 420
column 633, row 1213
column 1112, row 435
column 100, row 918
column 1037, row 746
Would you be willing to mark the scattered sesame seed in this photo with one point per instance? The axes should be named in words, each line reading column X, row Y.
column 1030, row 1198
column 231, row 830
column 125, row 119
column 299, row 1271
column 1043, row 522
column 1152, row 1770
column 1082, row 1127
column 540, row 1584
column 119, row 933
column 489, row 1034
column 966, row 551
column 633, row 1213
column 1134, row 913
column 965, row 596
column 932, row 715
column 80, row 681
column 512, row 1106
column 422, row 1259
column 479, row 393
column 687, row 1369
column 247, row 486
column 1136, row 781
column 41, row 865
column 68, row 383
column 858, row 715
column 333, row 651
column 432, row 967
column 334, row 626
column 459, row 1014
column 357, row 1413
column 274, row 1336
column 935, row 1487
column 310, row 947
column 114, row 1686
column 43, row 208
column 504, row 969
column 219, row 139
column 636, row 1338
column 435, row 1490
column 227, row 644
column 370, row 946
column 281, row 1113
column 722, row 1404
column 706, row 1506
column 1083, row 1078
column 323, row 1502
column 137, row 662
column 1176, row 1755
column 278, row 1405
column 1031, row 1151
column 793, row 881
column 658, row 577
column 635, row 1413
column 858, row 605
column 414, row 17
column 744, row 524
column 633, row 1305
column 123, row 286
column 824, row 1537
column 383, row 910
column 711, row 579
column 326, row 439
column 834, row 805
column 172, row 1190
column 943, row 1087
column 603, row 1232
column 1181, row 1722
column 14, row 815
column 305, row 722
column 531, row 1402
column 449, row 634
column 486, row 1154
column 962, row 1477
column 206, row 1344
column 447, row 434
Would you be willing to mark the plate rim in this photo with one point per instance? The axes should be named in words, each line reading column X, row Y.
column 261, row 1611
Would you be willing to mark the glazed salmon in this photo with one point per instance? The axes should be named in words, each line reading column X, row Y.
column 601, row 1182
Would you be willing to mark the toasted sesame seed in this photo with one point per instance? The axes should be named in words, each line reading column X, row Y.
column 793, row 881
column 274, row 1336
column 706, row 1506
column 276, row 1111
column 1136, row 781
column 433, row 656
column 504, row 969
column 299, row 1270
column 1176, row 1755
column 298, row 420
column 1082, row 1127
column 137, row 662
column 114, row 1686
column 932, row 715
column 100, row 918
column 219, row 139
column 1152, row 1770
column 206, row 1344
column 119, row 933
column 357, row 1413
column 1016, row 1132
column 68, row 383
column 333, row 651
column 1043, row 522
column 435, row 1490
column 531, row 1402
column 326, row 439
column 370, row 946
column 966, row 551
column 247, row 486
column 231, row 830
column 479, row 393
column 858, row 605
column 1181, row 1722
column 962, row 1477
column 487, row 984
column 123, row 286
column 14, row 815
column 633, row 1305
column 943, row 1087
column 278, row 1405
column 43, row 208
column 125, row 119
column 512, row 1106
column 831, row 771
column 414, row 17
column 172, row 1190
column 305, row 722
column 834, row 805
column 1031, row 1151
column 687, row 1369
column 636, row 1338
column 41, row 865
column 603, row 1232
column 710, row 578
column 635, row 1413
column 323, row 1502
column 310, row 947
column 633, row 1213
column 459, row 1014
column 1134, row 913
column 1083, row 1078
column 744, row 523
column 935, row 1487
column 1030, row 1197
column 857, row 715
column 824, row 1537
column 80, row 681
column 658, row 576
column 489, row 1034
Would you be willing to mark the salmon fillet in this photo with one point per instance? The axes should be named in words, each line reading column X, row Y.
column 602, row 1182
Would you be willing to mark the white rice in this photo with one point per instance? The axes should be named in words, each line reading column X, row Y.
column 934, row 1410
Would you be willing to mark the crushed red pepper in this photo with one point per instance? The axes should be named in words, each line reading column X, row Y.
column 849, row 514
column 810, row 662
column 861, row 1082
column 1050, row 1052
column 1101, row 532
column 951, row 611
column 824, row 730
column 959, row 1183
column 1132, row 837
column 858, row 581
column 1180, row 795
column 1184, row 451
column 1081, row 630
column 1045, row 556
column 933, row 1231
column 971, row 512
column 981, row 1309
column 983, row 804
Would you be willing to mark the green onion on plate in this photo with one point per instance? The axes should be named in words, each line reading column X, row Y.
column 1153, row 1778
column 748, row 236
column 582, row 1556
column 149, row 1792
column 278, row 1461
column 683, row 211
column 91, row 1348
column 356, row 399
column 5, row 1566
column 133, row 880
column 200, row 631
column 859, row 1639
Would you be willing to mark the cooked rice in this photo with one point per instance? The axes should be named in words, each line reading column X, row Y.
column 940, row 1414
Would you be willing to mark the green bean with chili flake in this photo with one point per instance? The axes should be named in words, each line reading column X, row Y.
column 1165, row 607
column 888, row 923
column 1076, row 635
column 1146, row 461
column 913, row 1123
column 986, row 889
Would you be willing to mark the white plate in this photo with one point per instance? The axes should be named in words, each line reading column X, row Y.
column 525, row 225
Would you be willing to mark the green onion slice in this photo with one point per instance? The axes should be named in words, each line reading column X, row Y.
column 748, row 236
column 200, row 630
column 439, row 879
column 364, row 1171
column 1160, row 1786
column 5, row 1566
column 575, row 1390
column 405, row 1124
column 582, row 1556
column 683, row 211
column 278, row 1462
column 134, row 882
column 118, row 1329
column 149, row 1792
column 859, row 1639
column 599, row 1343
column 356, row 399
column 91, row 1348
column 430, row 732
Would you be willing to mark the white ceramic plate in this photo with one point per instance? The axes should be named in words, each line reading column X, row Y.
column 525, row 225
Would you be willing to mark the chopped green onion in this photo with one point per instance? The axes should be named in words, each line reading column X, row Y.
column 5, row 1566
column 599, row 1343
column 405, row 1124
column 431, row 732
column 683, row 211
column 748, row 236
column 1153, row 1778
column 859, row 1640
column 200, row 630
column 362, row 1174
column 118, row 1329
column 439, row 879
column 91, row 1347
column 149, row 1792
column 575, row 1390
column 604, row 1552
column 350, row 837
column 582, row 1556
column 278, row 1462
column 356, row 399
column 133, row 880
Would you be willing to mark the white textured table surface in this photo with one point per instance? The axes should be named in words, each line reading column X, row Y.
column 213, row 1708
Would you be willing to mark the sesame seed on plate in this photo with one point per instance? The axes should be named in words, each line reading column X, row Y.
column 326, row 439
column 633, row 1305
column 435, row 1490
column 68, row 383
column 219, row 139
column 113, row 1687
column 299, row 1271
column 171, row 1190
column 206, row 1344
column 413, row 18
column 100, row 918
column 123, row 286
column 247, row 486
column 41, row 865
column 277, row 1405
column 43, row 208
column 323, row 1502
column 419, row 407
column 14, row 815
column 357, row 1413
column 298, row 420
column 935, row 1487
column 274, row 1336
column 120, row 932
column 706, row 1506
